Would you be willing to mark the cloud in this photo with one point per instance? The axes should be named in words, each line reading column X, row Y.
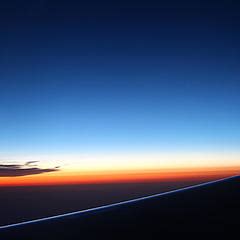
column 29, row 168
column 30, row 162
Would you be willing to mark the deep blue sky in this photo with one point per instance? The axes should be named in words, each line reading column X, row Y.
column 119, row 75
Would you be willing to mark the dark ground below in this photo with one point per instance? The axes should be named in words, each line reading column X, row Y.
column 210, row 211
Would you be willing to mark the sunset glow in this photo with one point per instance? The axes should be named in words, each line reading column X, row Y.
column 129, row 167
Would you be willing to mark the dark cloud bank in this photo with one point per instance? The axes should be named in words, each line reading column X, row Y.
column 29, row 168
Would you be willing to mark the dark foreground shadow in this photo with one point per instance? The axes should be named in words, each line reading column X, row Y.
column 211, row 210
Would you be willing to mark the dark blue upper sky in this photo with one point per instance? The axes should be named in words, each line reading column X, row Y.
column 119, row 75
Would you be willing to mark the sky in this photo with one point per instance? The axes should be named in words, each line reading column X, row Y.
column 118, row 86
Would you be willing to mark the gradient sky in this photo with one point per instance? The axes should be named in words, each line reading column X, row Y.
column 107, row 79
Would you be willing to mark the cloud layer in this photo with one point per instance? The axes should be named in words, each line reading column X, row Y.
column 29, row 168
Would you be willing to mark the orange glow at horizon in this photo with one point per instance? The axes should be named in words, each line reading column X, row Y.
column 121, row 176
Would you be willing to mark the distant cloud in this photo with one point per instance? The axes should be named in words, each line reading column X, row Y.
column 29, row 168
column 30, row 162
